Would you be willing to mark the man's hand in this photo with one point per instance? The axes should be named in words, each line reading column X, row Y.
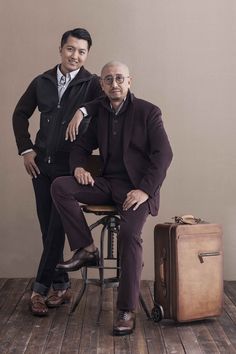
column 83, row 177
column 135, row 196
column 30, row 165
column 73, row 127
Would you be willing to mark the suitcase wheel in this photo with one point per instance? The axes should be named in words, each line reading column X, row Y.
column 157, row 313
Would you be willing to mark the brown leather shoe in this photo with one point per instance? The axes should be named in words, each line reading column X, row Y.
column 56, row 300
column 125, row 323
column 81, row 258
column 38, row 306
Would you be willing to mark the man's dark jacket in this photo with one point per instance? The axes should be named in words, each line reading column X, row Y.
column 146, row 149
column 54, row 115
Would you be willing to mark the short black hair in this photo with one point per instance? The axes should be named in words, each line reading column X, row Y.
column 79, row 33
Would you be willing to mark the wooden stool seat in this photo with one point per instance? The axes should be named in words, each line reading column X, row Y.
column 100, row 209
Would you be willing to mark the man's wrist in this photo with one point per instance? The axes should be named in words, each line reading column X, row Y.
column 26, row 152
column 84, row 111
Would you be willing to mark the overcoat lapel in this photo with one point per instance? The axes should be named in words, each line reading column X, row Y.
column 128, row 127
column 103, row 133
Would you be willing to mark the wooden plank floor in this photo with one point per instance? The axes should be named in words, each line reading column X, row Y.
column 20, row 332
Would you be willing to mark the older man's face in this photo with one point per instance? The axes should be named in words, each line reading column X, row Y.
column 115, row 82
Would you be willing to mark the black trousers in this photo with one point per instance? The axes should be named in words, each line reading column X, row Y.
column 53, row 234
column 66, row 193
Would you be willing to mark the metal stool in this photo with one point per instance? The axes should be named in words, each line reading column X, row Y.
column 111, row 224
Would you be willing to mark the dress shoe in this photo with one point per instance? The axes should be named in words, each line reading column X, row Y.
column 57, row 298
column 81, row 258
column 38, row 306
column 125, row 323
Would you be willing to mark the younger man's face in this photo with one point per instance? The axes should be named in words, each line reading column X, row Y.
column 73, row 54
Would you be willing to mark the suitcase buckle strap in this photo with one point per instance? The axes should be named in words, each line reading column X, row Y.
column 187, row 219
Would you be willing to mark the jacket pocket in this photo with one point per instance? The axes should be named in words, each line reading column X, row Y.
column 43, row 135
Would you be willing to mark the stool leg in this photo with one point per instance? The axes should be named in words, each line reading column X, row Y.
column 101, row 273
column 82, row 290
column 144, row 306
column 100, row 301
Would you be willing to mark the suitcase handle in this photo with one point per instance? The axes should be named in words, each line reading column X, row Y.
column 207, row 254
column 162, row 273
column 187, row 219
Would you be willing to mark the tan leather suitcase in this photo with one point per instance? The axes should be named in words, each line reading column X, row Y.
column 188, row 271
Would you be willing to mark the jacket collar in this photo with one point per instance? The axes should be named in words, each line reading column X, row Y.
column 107, row 105
column 68, row 77
column 82, row 76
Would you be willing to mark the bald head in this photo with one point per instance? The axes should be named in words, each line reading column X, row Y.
column 116, row 64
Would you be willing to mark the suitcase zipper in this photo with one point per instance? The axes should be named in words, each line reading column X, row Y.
column 207, row 254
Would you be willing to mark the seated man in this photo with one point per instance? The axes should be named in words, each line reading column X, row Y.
column 135, row 154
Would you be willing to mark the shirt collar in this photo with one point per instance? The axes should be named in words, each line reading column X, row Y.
column 69, row 76
column 119, row 108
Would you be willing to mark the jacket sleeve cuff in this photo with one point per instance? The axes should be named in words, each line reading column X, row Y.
column 26, row 151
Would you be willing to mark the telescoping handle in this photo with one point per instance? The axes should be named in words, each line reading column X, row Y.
column 201, row 255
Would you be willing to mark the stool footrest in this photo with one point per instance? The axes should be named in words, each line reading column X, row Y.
column 103, row 267
column 106, row 283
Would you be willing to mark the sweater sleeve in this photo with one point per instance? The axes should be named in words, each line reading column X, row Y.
column 23, row 111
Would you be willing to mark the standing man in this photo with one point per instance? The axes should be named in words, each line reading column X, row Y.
column 135, row 154
column 57, row 93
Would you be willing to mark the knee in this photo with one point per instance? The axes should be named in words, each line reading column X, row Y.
column 129, row 236
column 57, row 187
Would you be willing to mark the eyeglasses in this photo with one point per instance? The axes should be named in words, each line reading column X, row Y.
column 118, row 78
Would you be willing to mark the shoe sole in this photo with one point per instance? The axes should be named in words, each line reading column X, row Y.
column 73, row 269
column 38, row 314
column 125, row 332
column 51, row 306
column 122, row 333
